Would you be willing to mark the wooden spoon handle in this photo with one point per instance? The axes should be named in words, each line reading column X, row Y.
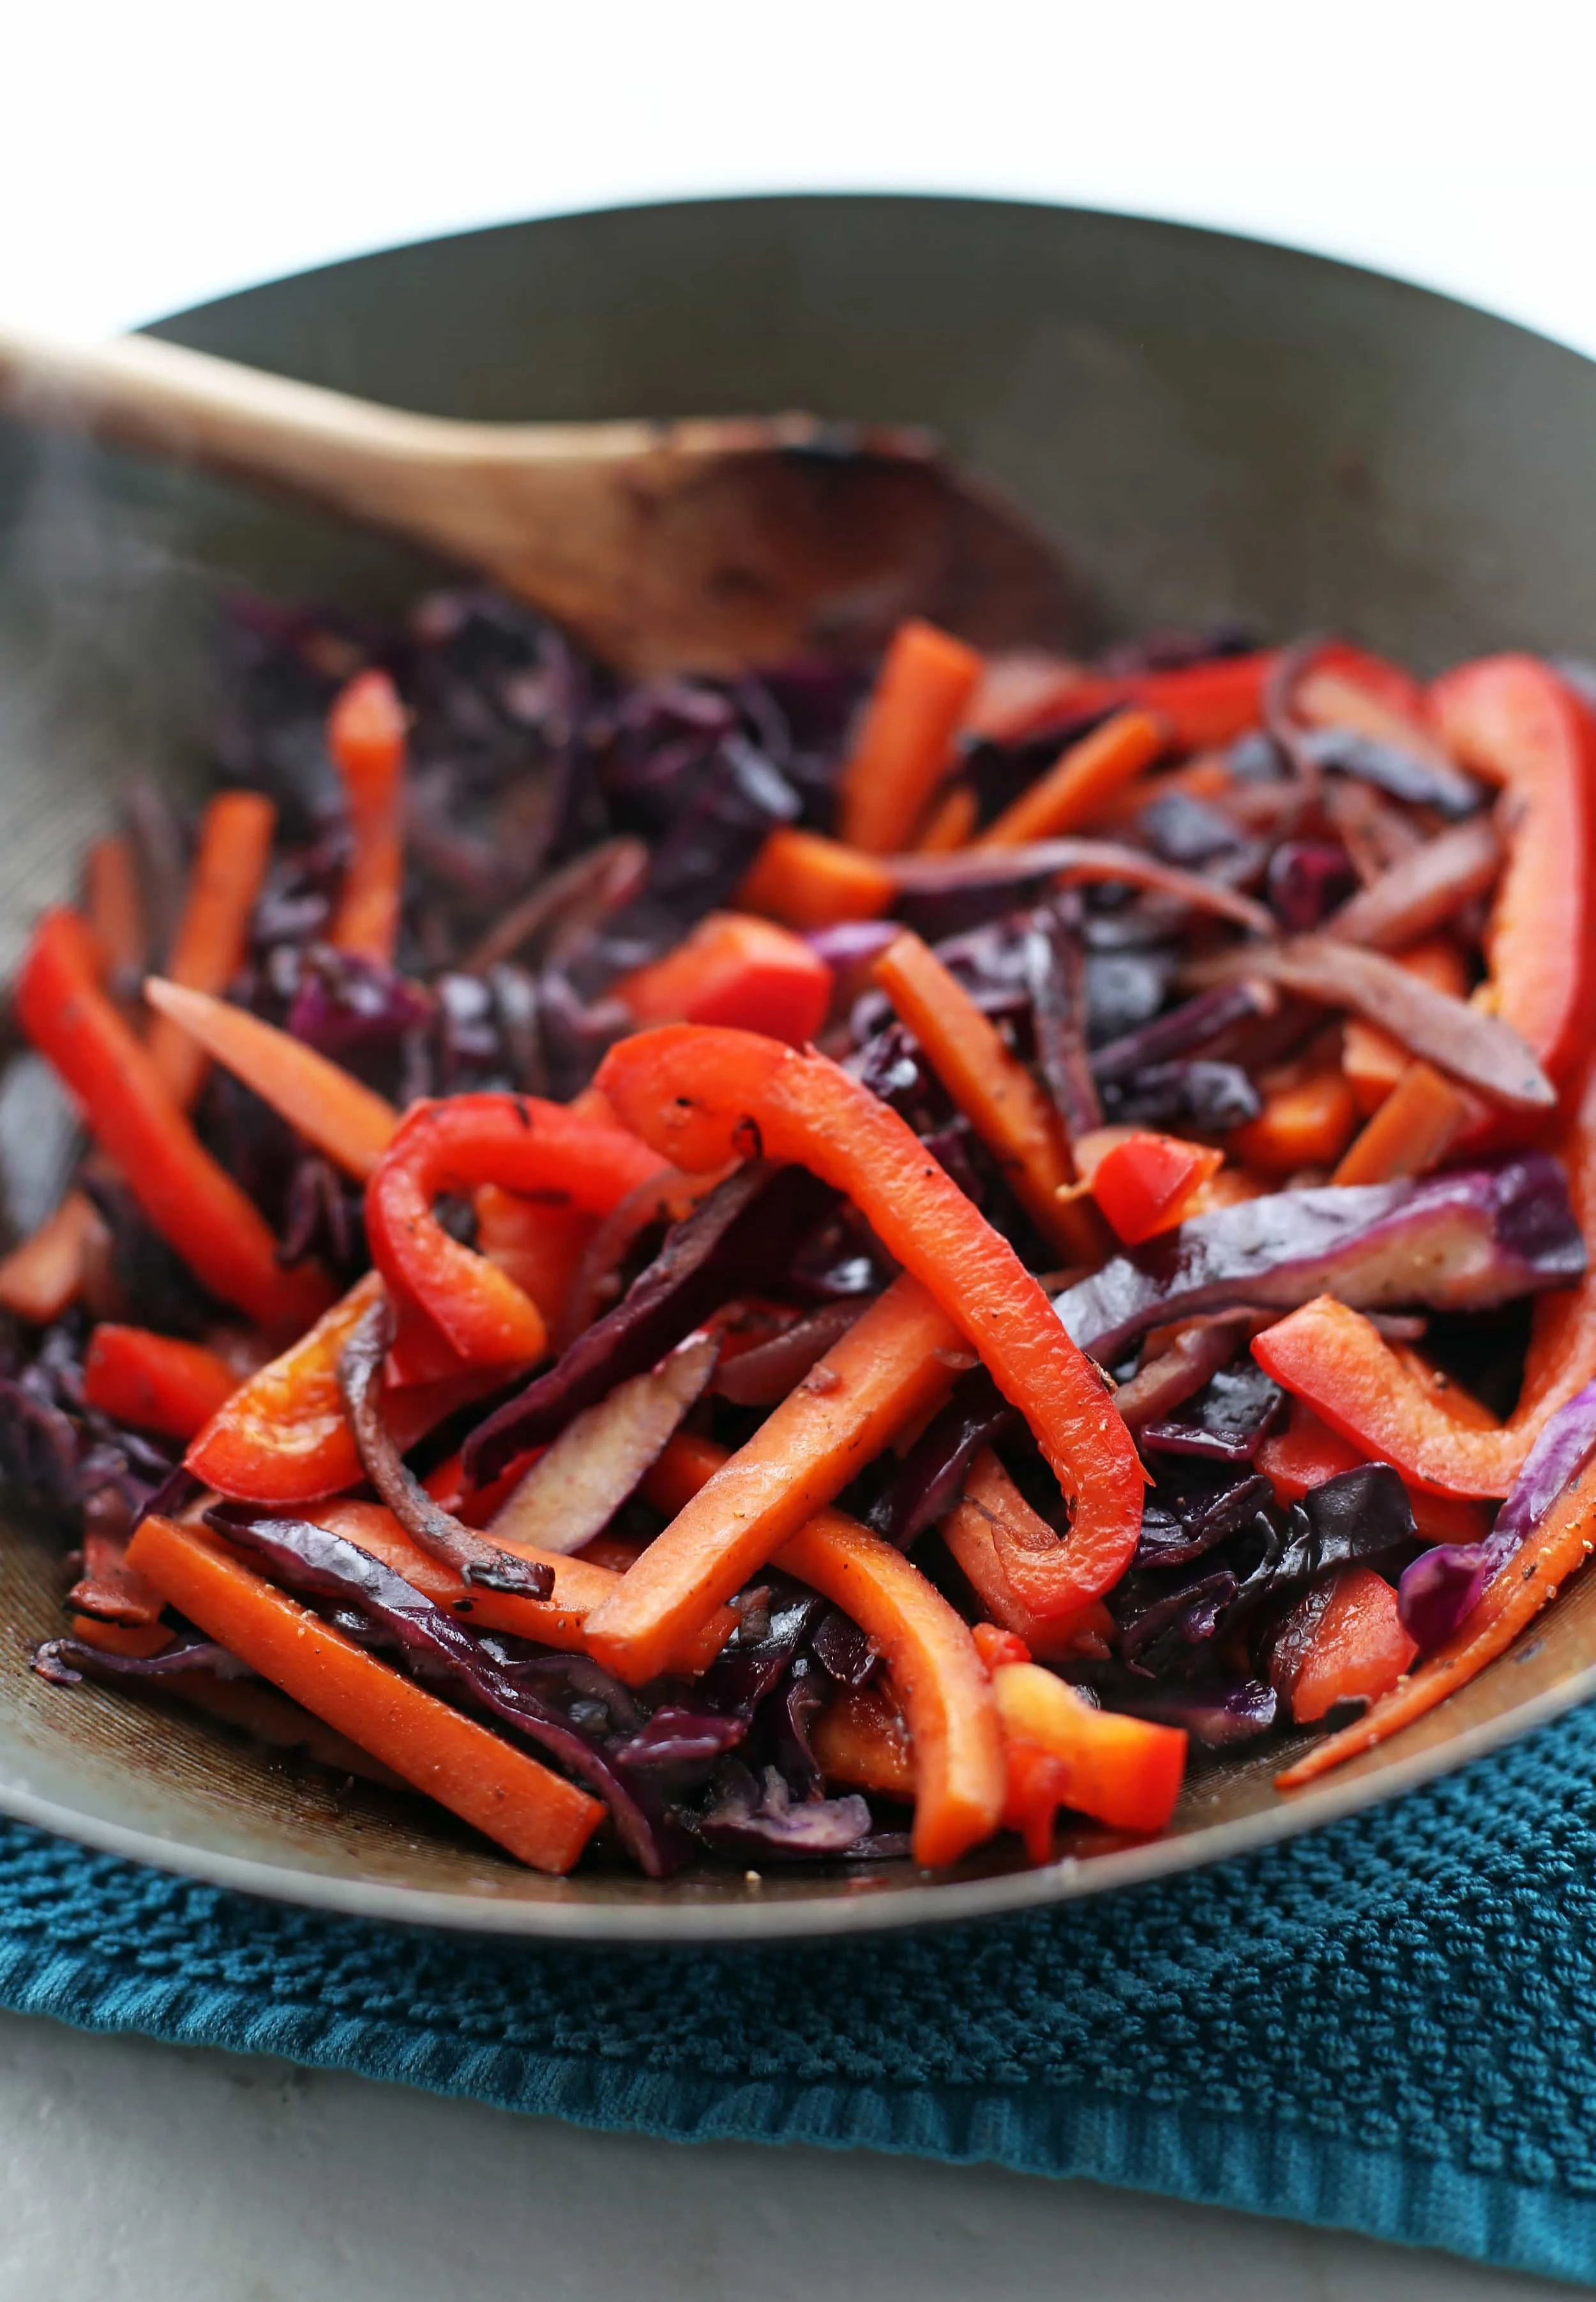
column 158, row 397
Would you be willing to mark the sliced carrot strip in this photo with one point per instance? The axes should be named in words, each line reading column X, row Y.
column 1088, row 774
column 701, row 1095
column 862, row 1740
column 539, row 1818
column 1412, row 1130
column 806, row 880
column 950, row 824
column 366, row 735
column 190, row 1200
column 560, row 1621
column 907, row 737
column 882, row 1372
column 155, row 1381
column 1304, row 1126
column 737, row 970
column 39, row 1277
column 930, row 1655
column 331, row 1110
column 140, row 1640
column 1524, row 1584
column 114, row 904
column 230, row 865
column 1013, row 1118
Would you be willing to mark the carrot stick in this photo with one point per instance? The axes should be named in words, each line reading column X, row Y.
column 539, row 1817
column 876, row 1378
column 347, row 1122
column 930, row 1655
column 1003, row 1103
column 560, row 1621
column 950, row 823
column 230, row 864
column 40, row 1277
column 155, row 1381
column 905, row 737
column 1411, row 1131
column 189, row 1199
column 1078, row 784
column 862, row 1739
column 115, row 905
column 139, row 1639
column 366, row 735
column 805, row 880
column 1523, row 1585
column 1372, row 1060
column 1303, row 1126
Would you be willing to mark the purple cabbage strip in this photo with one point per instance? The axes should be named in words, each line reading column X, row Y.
column 1458, row 1242
column 1400, row 775
column 1193, row 1094
column 65, row 1662
column 1308, row 879
column 931, row 1478
column 739, row 1241
column 761, row 1816
column 1190, row 1025
column 1226, row 1421
column 311, row 1560
column 1217, row 1712
column 1057, row 976
column 1442, row 1586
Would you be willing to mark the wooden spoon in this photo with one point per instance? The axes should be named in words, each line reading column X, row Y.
column 711, row 543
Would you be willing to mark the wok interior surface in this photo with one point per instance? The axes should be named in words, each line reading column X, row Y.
column 1211, row 429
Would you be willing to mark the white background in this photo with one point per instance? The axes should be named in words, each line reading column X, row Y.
column 153, row 155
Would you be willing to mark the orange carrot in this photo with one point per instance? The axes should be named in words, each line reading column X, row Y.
column 40, row 1277
column 881, row 1372
column 155, row 1381
column 807, row 881
column 366, row 735
column 1523, row 1584
column 950, row 824
column 1357, row 1650
column 738, row 969
column 1303, row 1126
column 140, row 1640
column 1003, row 1103
column 560, row 1621
column 347, row 1122
column 930, row 1653
column 1089, row 773
column 906, row 736
column 230, row 864
column 539, row 1817
column 115, row 904
column 1372, row 1060
column 1411, row 1131
column 989, row 1495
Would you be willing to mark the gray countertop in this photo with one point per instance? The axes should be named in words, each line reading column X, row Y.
column 130, row 2171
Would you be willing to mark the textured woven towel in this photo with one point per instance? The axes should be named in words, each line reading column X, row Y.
column 1389, row 2026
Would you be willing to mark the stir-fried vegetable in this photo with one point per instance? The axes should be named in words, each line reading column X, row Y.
column 878, row 1243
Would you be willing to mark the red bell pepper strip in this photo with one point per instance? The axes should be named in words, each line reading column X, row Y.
column 1309, row 1452
column 737, row 970
column 283, row 1438
column 351, row 1124
column 1207, row 704
column 1145, row 1184
column 1523, row 1584
column 700, row 1096
column 1349, row 1645
column 905, row 740
column 541, row 1818
column 192, row 1201
column 518, row 1142
column 1059, row 1751
column 970, row 1531
column 366, row 735
column 155, row 1381
column 930, row 1653
column 1513, row 721
column 230, row 865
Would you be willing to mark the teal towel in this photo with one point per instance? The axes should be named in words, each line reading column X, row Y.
column 1389, row 2026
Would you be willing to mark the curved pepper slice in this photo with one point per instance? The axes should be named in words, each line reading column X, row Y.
column 1518, row 724
column 523, row 1144
column 700, row 1097
column 185, row 1194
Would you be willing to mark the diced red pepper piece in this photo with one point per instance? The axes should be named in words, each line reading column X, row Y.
column 736, row 969
column 1309, row 1452
column 1144, row 1183
column 1349, row 1645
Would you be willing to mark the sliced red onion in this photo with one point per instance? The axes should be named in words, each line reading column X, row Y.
column 1056, row 977
column 763, row 1376
column 1463, row 1242
column 471, row 1554
column 599, row 1461
column 1177, row 1375
column 1193, row 1024
column 1074, row 858
column 1443, row 1585
column 1423, row 890
column 1219, row 1712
